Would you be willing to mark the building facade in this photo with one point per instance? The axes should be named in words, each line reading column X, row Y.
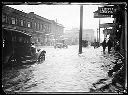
column 42, row 30
column 57, row 32
column 72, row 36
column 118, row 33
column 41, row 27
column 14, row 19
column 88, row 34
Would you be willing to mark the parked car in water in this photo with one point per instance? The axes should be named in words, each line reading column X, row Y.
column 61, row 45
column 84, row 43
column 17, row 47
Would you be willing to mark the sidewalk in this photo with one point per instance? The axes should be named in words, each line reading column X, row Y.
column 113, row 83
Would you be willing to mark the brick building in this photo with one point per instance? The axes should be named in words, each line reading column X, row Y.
column 17, row 20
column 43, row 31
column 41, row 27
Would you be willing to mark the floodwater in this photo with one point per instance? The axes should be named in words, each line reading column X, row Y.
column 64, row 70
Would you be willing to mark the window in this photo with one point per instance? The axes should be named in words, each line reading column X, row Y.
column 42, row 26
column 38, row 26
column 29, row 24
column 48, row 28
column 20, row 39
column 13, row 21
column 45, row 27
column 35, row 25
column 16, row 21
column 25, row 40
column 4, row 18
column 14, row 38
column 21, row 22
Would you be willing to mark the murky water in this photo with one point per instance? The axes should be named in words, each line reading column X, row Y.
column 62, row 71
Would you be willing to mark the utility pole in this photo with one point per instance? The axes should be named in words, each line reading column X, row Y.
column 97, row 34
column 125, row 28
column 99, row 30
column 81, row 29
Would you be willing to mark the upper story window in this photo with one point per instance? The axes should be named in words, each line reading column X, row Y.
column 20, row 39
column 13, row 21
column 35, row 25
column 4, row 18
column 28, row 24
column 16, row 21
column 42, row 26
column 21, row 22
column 48, row 28
column 38, row 26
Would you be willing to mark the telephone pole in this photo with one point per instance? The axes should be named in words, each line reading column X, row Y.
column 99, row 30
column 97, row 34
column 81, row 29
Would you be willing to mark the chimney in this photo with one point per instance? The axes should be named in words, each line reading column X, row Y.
column 31, row 13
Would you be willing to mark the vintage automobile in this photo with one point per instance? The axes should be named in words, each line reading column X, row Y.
column 84, row 43
column 60, row 45
column 17, row 48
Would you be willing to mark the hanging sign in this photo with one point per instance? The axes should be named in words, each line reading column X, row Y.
column 107, row 25
column 106, row 10
column 97, row 15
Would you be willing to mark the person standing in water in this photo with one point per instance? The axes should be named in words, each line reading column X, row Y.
column 104, row 45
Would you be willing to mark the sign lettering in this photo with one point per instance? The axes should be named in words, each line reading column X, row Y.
column 106, row 10
column 106, row 25
column 97, row 15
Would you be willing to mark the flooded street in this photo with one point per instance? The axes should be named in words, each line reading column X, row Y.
column 71, row 47
column 62, row 71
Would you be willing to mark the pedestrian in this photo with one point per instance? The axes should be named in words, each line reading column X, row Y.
column 94, row 44
column 104, row 45
column 109, row 44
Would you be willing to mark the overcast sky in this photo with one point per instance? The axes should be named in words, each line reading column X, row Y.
column 67, row 15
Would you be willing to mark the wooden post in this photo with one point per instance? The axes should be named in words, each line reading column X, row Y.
column 81, row 28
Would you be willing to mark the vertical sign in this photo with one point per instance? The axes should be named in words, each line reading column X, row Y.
column 81, row 28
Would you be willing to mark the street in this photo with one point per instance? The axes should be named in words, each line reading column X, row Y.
column 77, row 48
column 62, row 71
